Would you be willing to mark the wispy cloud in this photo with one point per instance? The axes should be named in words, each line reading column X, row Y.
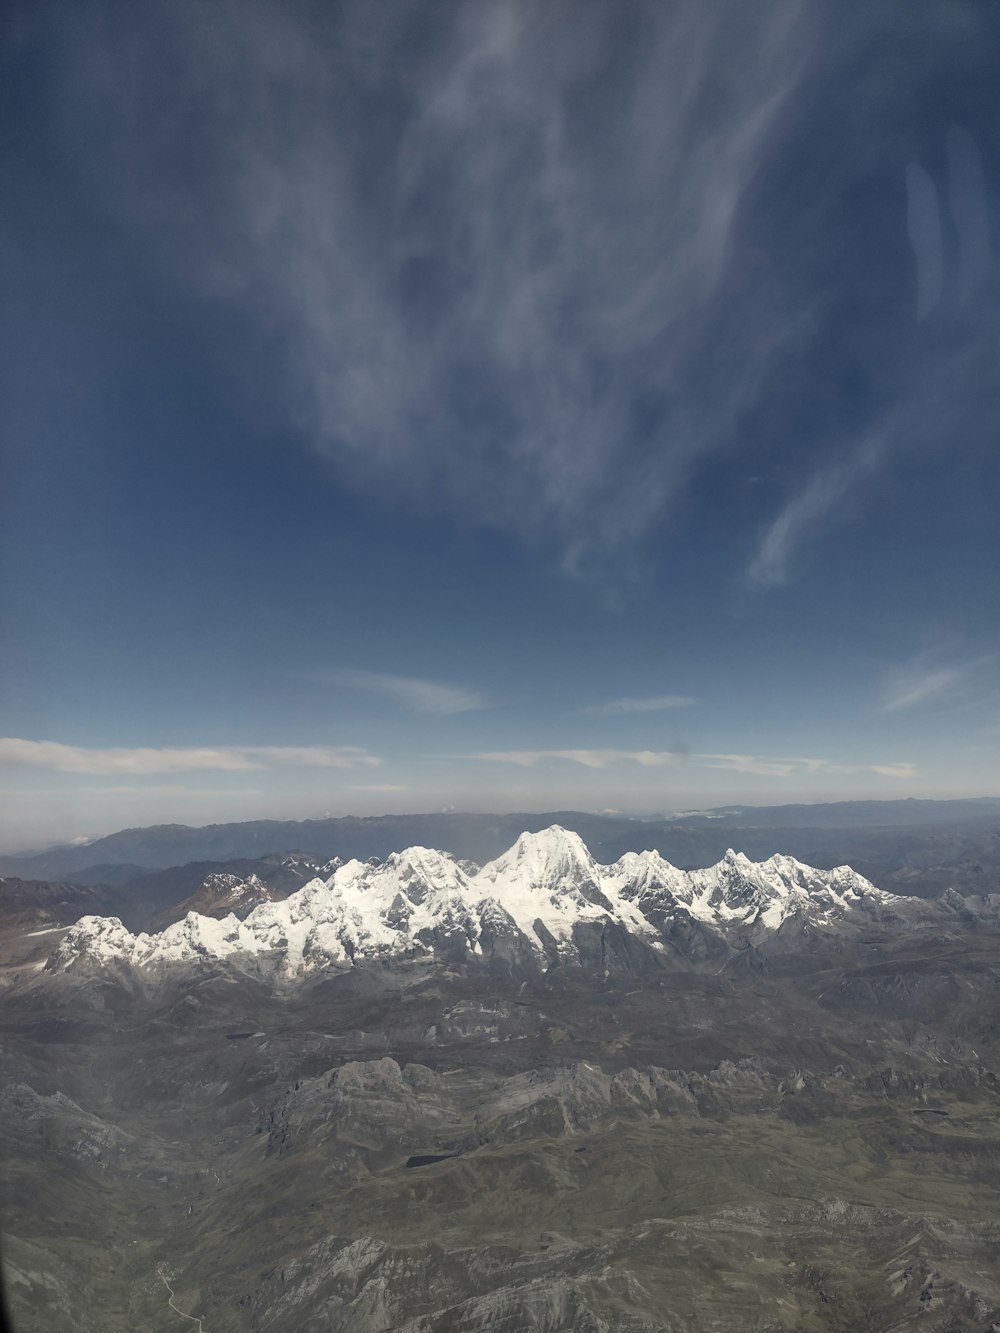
column 586, row 758
column 782, row 767
column 378, row 786
column 898, row 770
column 928, row 681
column 656, row 704
column 536, row 265
column 923, row 223
column 420, row 696
column 17, row 753
column 779, row 767
column 943, row 389
column 808, row 513
column 921, row 687
column 514, row 332
column 747, row 763
column 20, row 792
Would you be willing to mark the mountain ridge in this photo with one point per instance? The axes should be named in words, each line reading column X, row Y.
column 537, row 900
column 913, row 847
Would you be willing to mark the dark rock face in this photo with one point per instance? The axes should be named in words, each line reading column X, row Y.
column 608, row 947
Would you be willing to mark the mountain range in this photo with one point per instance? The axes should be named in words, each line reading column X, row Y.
column 543, row 900
column 885, row 835
column 548, row 1090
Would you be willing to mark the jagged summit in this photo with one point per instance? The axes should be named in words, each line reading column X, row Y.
column 535, row 898
column 554, row 855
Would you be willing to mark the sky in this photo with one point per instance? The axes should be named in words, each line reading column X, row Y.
column 510, row 405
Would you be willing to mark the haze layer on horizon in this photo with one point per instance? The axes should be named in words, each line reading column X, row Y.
column 507, row 406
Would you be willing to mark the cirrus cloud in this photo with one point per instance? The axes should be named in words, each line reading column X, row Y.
column 779, row 767
column 809, row 512
column 140, row 760
column 510, row 333
column 933, row 681
column 658, row 703
column 420, row 696
column 783, row 767
column 586, row 758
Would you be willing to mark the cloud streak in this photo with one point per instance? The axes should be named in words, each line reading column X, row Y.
column 929, row 682
column 139, row 761
column 736, row 763
column 808, row 513
column 657, row 704
column 921, row 687
column 785, row 767
column 586, row 758
column 419, row 696
column 940, row 370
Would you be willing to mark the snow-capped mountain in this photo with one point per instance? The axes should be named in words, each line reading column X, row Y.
column 747, row 893
column 535, row 898
column 222, row 893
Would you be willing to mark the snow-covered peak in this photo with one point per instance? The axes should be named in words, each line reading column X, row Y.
column 106, row 939
column 422, row 869
column 548, row 882
column 404, row 879
column 551, row 858
column 103, row 938
column 198, row 937
column 642, row 875
column 766, row 893
column 221, row 883
column 538, row 892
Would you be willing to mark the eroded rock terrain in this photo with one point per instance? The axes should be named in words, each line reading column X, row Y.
column 628, row 1099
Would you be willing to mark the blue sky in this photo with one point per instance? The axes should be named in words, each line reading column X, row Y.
column 504, row 405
